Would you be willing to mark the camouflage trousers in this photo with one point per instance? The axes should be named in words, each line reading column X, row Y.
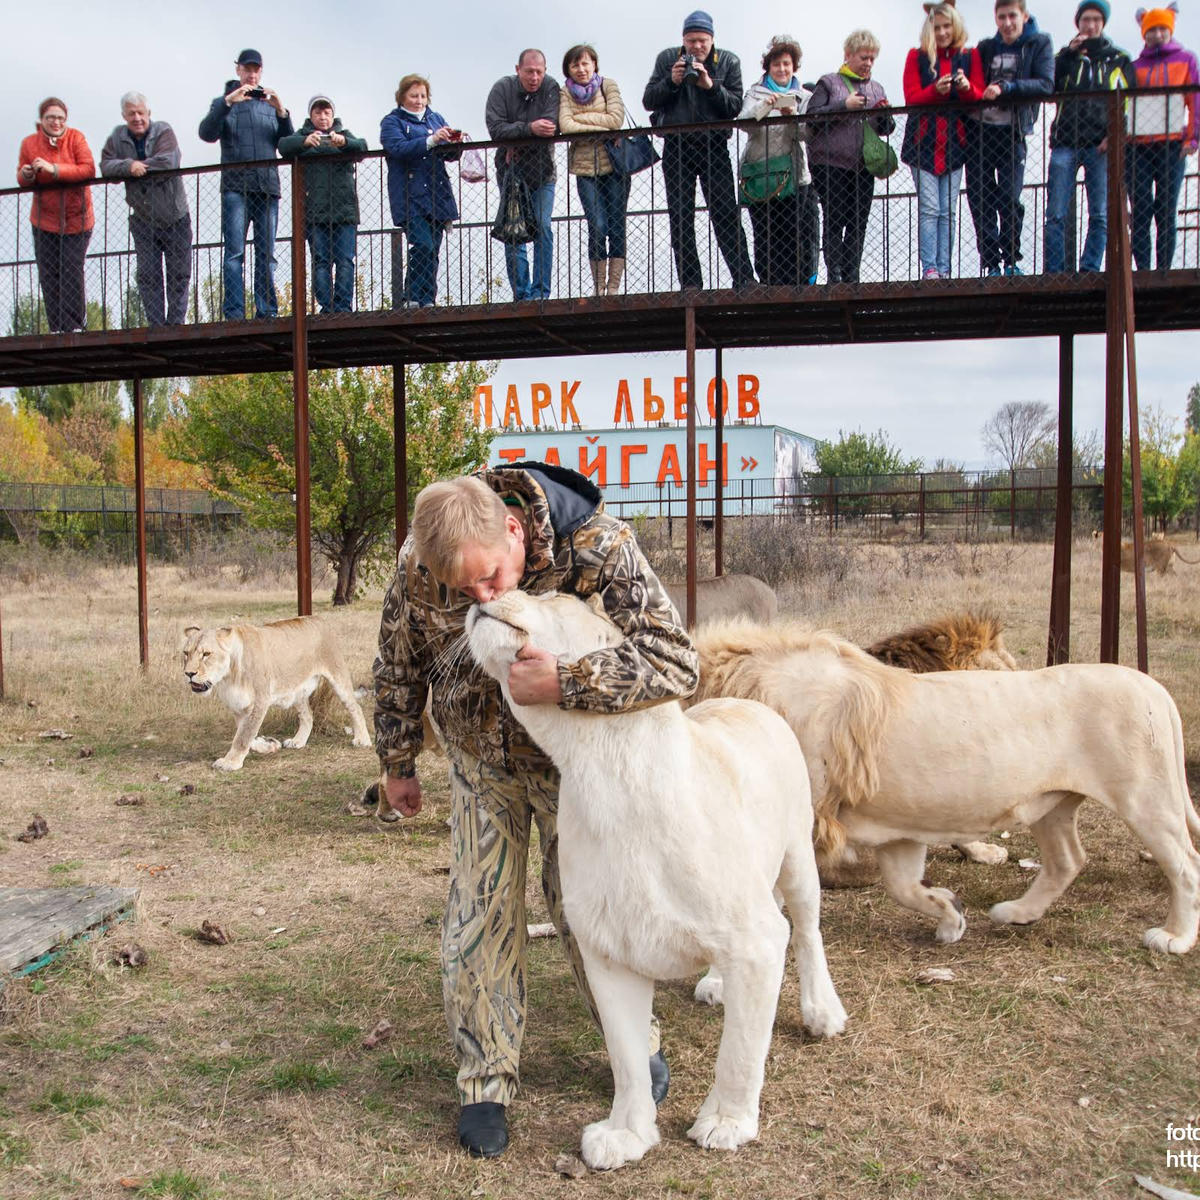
column 484, row 929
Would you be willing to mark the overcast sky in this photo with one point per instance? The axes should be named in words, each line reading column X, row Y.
column 931, row 398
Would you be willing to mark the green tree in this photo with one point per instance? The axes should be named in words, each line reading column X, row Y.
column 239, row 428
column 1170, row 468
column 859, row 453
column 1192, row 420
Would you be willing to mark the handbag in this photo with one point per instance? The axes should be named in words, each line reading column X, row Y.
column 472, row 167
column 631, row 154
column 763, row 179
column 878, row 157
column 516, row 222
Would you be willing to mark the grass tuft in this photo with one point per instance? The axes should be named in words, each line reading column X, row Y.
column 303, row 1077
column 174, row 1185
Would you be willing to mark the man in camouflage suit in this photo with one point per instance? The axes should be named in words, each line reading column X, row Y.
column 540, row 528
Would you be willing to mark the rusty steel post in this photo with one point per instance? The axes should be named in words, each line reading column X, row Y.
column 139, row 486
column 690, row 343
column 300, row 397
column 400, row 450
column 719, row 511
column 1110, row 567
column 921, row 510
column 1058, row 649
column 1012, row 504
column 1124, row 267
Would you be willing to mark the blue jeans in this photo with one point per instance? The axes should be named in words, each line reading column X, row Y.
column 238, row 211
column 424, row 246
column 516, row 258
column 333, row 250
column 1154, row 176
column 937, row 200
column 604, row 198
column 1065, row 162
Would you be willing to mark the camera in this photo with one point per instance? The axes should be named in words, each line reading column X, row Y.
column 455, row 135
column 258, row 93
column 689, row 68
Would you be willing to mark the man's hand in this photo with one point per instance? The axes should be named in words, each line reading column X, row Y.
column 272, row 98
column 404, row 795
column 542, row 128
column 239, row 94
column 703, row 78
column 677, row 71
column 1076, row 41
column 1103, row 147
column 137, row 168
column 855, row 101
column 533, row 678
column 992, row 91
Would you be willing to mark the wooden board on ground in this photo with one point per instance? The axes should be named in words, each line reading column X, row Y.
column 36, row 921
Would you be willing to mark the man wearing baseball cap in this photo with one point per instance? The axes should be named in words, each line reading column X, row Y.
column 695, row 83
column 1089, row 64
column 248, row 121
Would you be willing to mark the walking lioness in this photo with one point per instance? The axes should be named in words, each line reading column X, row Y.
column 1160, row 552
column 251, row 667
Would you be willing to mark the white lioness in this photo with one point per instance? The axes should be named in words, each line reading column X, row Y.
column 726, row 596
column 674, row 829
column 898, row 761
column 251, row 667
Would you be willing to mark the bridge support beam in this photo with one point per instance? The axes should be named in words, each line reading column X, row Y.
column 139, row 486
column 300, row 397
column 400, row 450
column 1058, row 649
column 689, row 318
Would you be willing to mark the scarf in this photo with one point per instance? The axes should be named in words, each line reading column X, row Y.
column 582, row 93
column 849, row 74
column 792, row 85
column 418, row 115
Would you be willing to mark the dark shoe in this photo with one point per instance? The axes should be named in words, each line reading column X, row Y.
column 483, row 1129
column 660, row 1078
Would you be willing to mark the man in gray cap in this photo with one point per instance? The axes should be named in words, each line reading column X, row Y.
column 691, row 84
column 248, row 121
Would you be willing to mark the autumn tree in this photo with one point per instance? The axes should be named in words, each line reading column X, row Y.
column 239, row 429
column 1018, row 431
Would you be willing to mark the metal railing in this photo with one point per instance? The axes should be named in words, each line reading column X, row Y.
column 104, row 287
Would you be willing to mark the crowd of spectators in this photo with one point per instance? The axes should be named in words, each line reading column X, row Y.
column 982, row 105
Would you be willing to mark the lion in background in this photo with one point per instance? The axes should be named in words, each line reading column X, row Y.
column 252, row 667
column 1160, row 554
column 898, row 761
column 961, row 642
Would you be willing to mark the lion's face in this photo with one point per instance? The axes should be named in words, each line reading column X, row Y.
column 205, row 657
column 565, row 625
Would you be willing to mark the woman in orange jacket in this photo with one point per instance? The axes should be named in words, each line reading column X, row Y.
column 61, row 217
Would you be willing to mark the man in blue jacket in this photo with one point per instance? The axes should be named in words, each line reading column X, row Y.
column 1017, row 62
column 248, row 121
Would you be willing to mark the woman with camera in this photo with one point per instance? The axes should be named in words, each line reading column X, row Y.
column 942, row 72
column 62, row 217
column 591, row 103
column 418, row 143
column 330, row 201
column 774, row 179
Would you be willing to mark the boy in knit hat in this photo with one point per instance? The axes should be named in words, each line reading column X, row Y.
column 690, row 84
column 330, row 201
column 1165, row 131
column 1090, row 63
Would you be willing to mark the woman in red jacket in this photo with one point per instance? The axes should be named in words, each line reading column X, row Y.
column 941, row 72
column 62, row 217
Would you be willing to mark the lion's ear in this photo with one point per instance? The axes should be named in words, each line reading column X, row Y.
column 596, row 604
column 190, row 629
column 188, row 634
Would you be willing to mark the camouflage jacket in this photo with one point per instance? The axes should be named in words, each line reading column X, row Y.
column 576, row 547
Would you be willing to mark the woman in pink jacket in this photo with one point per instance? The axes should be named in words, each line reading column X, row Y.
column 61, row 217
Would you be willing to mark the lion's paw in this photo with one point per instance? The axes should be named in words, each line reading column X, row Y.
column 606, row 1147
column 364, row 742
column 710, row 990
column 827, row 1019
column 227, row 764
column 1162, row 941
column 265, row 745
column 294, row 743
column 721, row 1131
column 985, row 853
column 1010, row 912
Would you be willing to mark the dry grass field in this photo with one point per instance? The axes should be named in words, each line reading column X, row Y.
column 1049, row 1067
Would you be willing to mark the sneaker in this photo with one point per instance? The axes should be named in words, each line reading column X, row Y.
column 994, row 272
column 930, row 273
column 1013, row 269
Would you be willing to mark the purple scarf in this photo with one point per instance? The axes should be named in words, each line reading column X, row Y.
column 583, row 93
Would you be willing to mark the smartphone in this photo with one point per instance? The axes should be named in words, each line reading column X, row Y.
column 456, row 135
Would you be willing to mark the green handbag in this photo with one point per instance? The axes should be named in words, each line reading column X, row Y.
column 767, row 179
column 878, row 157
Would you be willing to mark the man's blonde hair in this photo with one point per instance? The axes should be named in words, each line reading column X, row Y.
column 860, row 39
column 451, row 515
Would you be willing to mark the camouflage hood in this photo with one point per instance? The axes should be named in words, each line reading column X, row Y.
column 575, row 546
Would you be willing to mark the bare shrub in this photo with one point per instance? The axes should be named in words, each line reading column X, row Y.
column 783, row 551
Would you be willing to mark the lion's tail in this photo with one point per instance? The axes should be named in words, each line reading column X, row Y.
column 1189, row 807
column 1191, row 562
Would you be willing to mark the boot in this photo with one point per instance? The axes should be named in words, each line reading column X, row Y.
column 616, row 272
column 598, row 275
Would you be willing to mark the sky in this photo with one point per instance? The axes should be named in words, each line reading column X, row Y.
column 931, row 398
